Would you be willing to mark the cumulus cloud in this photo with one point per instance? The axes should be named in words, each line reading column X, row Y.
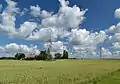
column 59, row 23
column 12, row 48
column 116, row 45
column 26, row 28
column 8, row 25
column 84, row 37
column 24, row 12
column 114, row 32
column 56, row 47
column 117, row 13
column 35, row 10
column 67, row 17
column 43, row 34
column 81, row 51
column 46, row 14
column 85, row 43
column 106, row 53
column 79, row 37
column 114, row 37
column 111, row 29
column 8, row 17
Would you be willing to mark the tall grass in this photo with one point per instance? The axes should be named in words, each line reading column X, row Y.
column 56, row 72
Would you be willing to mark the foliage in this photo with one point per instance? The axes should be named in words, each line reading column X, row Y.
column 58, row 56
column 19, row 56
column 7, row 58
column 44, row 55
column 65, row 55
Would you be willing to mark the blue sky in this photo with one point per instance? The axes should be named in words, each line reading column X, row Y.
column 100, row 16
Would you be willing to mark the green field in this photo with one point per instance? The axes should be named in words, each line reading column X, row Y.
column 60, row 72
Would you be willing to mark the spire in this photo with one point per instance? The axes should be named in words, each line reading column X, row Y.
column 100, row 53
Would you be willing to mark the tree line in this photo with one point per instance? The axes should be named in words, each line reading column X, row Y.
column 44, row 55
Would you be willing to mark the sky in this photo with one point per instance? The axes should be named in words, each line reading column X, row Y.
column 26, row 26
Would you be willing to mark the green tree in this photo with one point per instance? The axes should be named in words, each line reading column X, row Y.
column 19, row 56
column 41, row 56
column 44, row 55
column 65, row 55
column 58, row 56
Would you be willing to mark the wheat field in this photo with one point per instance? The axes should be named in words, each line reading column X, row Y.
column 56, row 72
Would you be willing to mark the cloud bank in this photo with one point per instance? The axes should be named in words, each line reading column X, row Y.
column 13, row 48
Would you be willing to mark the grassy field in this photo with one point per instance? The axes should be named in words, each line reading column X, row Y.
column 60, row 72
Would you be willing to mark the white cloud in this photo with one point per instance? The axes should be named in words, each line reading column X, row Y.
column 8, row 17
column 63, row 33
column 64, row 3
column 46, row 34
column 12, row 48
column 35, row 10
column 114, row 30
column 56, row 46
column 67, row 17
column 84, row 37
column 85, row 43
column 114, row 37
column 116, row 45
column 105, row 53
column 110, row 37
column 8, row 25
column 81, row 51
column 59, row 23
column 117, row 13
column 45, row 14
column 111, row 29
column 24, row 11
column 43, row 34
column 79, row 37
column 112, row 52
column 26, row 28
